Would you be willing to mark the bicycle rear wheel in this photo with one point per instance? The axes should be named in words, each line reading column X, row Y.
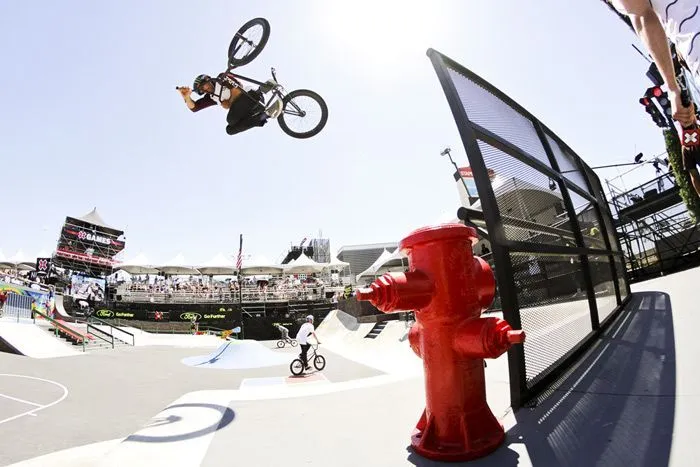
column 303, row 106
column 248, row 42
column 280, row 344
column 296, row 367
column 294, row 343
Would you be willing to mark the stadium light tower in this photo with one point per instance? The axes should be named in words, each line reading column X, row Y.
column 448, row 152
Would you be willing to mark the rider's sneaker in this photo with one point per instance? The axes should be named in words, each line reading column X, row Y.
column 275, row 109
column 268, row 86
column 308, row 367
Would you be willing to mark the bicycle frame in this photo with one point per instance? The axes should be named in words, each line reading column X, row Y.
column 278, row 91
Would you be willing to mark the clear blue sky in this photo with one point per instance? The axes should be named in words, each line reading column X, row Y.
column 90, row 117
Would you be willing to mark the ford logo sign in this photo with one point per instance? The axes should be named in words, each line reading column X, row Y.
column 104, row 313
column 189, row 315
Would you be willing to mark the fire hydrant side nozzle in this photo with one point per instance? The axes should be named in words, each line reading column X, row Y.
column 449, row 288
column 398, row 291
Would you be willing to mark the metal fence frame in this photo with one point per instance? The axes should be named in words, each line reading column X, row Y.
column 502, row 247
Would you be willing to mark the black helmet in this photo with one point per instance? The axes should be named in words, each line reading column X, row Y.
column 198, row 81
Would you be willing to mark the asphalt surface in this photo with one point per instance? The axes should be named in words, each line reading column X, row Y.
column 110, row 394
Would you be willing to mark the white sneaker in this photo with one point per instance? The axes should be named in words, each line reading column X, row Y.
column 275, row 109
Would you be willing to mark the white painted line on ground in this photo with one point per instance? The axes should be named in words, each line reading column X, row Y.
column 39, row 407
column 17, row 399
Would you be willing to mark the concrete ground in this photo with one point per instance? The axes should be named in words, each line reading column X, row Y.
column 632, row 400
column 111, row 393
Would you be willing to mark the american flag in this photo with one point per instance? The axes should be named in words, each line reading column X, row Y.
column 239, row 261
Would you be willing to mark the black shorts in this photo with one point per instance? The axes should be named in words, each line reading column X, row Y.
column 691, row 160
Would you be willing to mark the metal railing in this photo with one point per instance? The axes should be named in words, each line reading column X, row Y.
column 94, row 319
column 280, row 295
column 61, row 327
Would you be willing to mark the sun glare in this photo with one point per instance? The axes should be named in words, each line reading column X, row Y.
column 380, row 32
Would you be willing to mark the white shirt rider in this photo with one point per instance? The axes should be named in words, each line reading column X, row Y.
column 305, row 331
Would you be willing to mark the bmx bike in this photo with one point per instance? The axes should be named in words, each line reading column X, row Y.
column 319, row 361
column 287, row 340
column 301, row 106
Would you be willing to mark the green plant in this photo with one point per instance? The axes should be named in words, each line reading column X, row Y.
column 687, row 192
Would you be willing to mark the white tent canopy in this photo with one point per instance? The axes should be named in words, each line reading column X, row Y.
column 176, row 266
column 397, row 261
column 260, row 266
column 137, row 265
column 372, row 270
column 219, row 265
column 303, row 265
column 19, row 261
column 336, row 264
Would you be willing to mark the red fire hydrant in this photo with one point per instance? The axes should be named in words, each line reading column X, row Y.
column 449, row 288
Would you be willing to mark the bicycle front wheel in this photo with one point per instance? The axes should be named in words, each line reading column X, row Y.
column 304, row 114
column 296, row 367
column 280, row 344
column 294, row 343
column 248, row 42
column 319, row 362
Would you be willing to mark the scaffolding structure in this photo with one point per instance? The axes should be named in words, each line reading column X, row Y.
column 655, row 229
column 88, row 245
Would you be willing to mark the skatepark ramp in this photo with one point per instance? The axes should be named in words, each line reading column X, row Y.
column 61, row 312
column 31, row 340
column 388, row 351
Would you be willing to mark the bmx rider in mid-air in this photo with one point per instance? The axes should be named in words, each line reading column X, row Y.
column 306, row 330
column 245, row 106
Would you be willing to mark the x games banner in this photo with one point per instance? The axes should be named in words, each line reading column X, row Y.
column 43, row 266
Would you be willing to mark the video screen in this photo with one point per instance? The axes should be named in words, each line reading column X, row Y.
column 88, row 288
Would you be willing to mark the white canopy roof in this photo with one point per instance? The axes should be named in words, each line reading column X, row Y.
column 176, row 266
column 303, row 265
column 260, row 265
column 94, row 218
column 19, row 261
column 219, row 265
column 396, row 262
column 137, row 265
column 336, row 264
column 372, row 270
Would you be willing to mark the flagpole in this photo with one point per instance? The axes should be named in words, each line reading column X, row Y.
column 240, row 283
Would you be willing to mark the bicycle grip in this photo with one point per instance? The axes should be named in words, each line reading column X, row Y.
column 685, row 98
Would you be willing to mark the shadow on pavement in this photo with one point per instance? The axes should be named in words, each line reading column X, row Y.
column 227, row 416
column 616, row 407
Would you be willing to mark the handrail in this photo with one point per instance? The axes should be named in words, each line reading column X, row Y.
column 63, row 327
column 100, row 337
column 112, row 327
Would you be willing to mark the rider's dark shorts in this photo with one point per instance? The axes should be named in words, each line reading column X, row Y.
column 691, row 160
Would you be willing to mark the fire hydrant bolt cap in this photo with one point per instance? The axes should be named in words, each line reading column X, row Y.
column 440, row 232
column 516, row 337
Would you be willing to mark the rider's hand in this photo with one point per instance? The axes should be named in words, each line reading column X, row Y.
column 684, row 115
column 184, row 91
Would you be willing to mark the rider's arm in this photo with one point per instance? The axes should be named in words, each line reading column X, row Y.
column 651, row 32
column 203, row 103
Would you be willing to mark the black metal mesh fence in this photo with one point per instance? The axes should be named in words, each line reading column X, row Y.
column 551, row 231
column 554, row 309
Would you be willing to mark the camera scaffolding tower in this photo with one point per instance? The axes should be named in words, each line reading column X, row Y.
column 655, row 229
